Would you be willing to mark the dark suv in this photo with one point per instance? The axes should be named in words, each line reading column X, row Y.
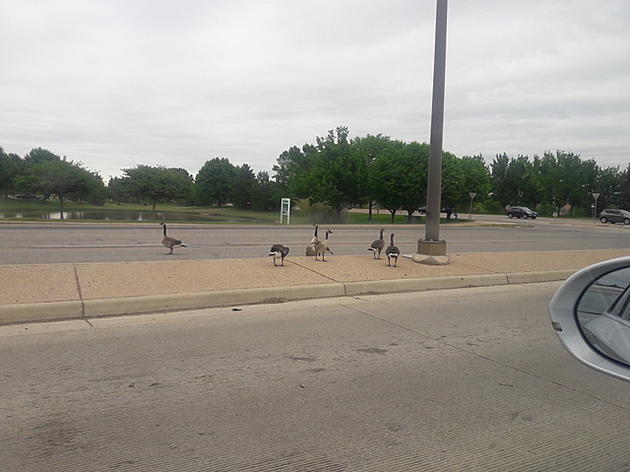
column 615, row 216
column 521, row 212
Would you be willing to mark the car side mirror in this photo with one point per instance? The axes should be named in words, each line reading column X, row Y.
column 590, row 313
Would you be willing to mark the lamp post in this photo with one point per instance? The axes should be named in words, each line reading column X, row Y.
column 595, row 196
column 472, row 197
column 432, row 248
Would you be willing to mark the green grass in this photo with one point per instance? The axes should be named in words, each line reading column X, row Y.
column 386, row 219
column 201, row 215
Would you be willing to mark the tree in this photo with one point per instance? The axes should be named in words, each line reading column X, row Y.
column 266, row 193
column 609, row 185
column 368, row 150
column 213, row 183
column 242, row 186
column 334, row 174
column 158, row 184
column 454, row 192
column 11, row 166
column 65, row 179
column 475, row 177
column 38, row 155
column 502, row 188
column 625, row 187
column 398, row 177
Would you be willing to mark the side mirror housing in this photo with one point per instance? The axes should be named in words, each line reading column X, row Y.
column 590, row 313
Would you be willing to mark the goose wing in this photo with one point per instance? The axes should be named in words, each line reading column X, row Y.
column 169, row 240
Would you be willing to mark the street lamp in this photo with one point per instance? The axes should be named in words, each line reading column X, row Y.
column 472, row 196
column 432, row 250
column 595, row 196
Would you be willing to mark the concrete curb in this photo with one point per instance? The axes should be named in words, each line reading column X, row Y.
column 417, row 285
column 533, row 277
column 189, row 301
column 50, row 311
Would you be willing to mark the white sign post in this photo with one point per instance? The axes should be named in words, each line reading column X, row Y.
column 285, row 209
column 595, row 196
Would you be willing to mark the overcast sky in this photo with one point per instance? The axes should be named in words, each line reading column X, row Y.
column 118, row 83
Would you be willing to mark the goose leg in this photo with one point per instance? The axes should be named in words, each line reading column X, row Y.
column 379, row 254
column 388, row 261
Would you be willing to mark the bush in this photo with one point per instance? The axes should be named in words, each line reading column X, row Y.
column 488, row 207
column 546, row 209
column 320, row 213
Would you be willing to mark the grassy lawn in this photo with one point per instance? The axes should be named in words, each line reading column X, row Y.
column 386, row 219
column 34, row 210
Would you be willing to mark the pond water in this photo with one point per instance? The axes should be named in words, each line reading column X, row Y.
column 124, row 215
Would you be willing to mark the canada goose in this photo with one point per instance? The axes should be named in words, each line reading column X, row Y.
column 315, row 239
column 278, row 250
column 169, row 242
column 310, row 249
column 392, row 252
column 322, row 247
column 377, row 246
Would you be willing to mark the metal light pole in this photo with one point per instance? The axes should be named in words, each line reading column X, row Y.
column 432, row 245
column 595, row 196
column 472, row 197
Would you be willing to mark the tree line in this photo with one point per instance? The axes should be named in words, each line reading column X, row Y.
column 336, row 172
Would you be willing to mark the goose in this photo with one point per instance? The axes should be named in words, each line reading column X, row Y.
column 169, row 242
column 310, row 249
column 278, row 250
column 392, row 252
column 315, row 239
column 377, row 246
column 322, row 247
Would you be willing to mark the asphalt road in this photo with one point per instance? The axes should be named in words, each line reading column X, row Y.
column 470, row 379
column 53, row 243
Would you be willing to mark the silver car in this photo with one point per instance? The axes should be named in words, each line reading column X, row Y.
column 615, row 216
column 590, row 313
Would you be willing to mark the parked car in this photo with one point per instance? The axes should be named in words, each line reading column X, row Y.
column 452, row 211
column 521, row 212
column 615, row 216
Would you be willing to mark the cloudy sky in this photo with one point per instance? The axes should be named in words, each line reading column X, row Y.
column 115, row 83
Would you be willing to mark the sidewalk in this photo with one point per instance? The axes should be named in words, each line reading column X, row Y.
column 65, row 291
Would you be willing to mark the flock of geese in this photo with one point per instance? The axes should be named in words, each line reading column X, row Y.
column 317, row 247
column 320, row 247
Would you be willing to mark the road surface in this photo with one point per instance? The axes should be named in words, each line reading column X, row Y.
column 56, row 243
column 470, row 379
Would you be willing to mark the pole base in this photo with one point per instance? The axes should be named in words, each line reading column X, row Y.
column 431, row 253
column 432, row 248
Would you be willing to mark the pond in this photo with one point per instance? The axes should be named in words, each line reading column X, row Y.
column 124, row 215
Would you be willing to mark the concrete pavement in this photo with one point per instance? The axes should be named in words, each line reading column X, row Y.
column 76, row 291
column 468, row 380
